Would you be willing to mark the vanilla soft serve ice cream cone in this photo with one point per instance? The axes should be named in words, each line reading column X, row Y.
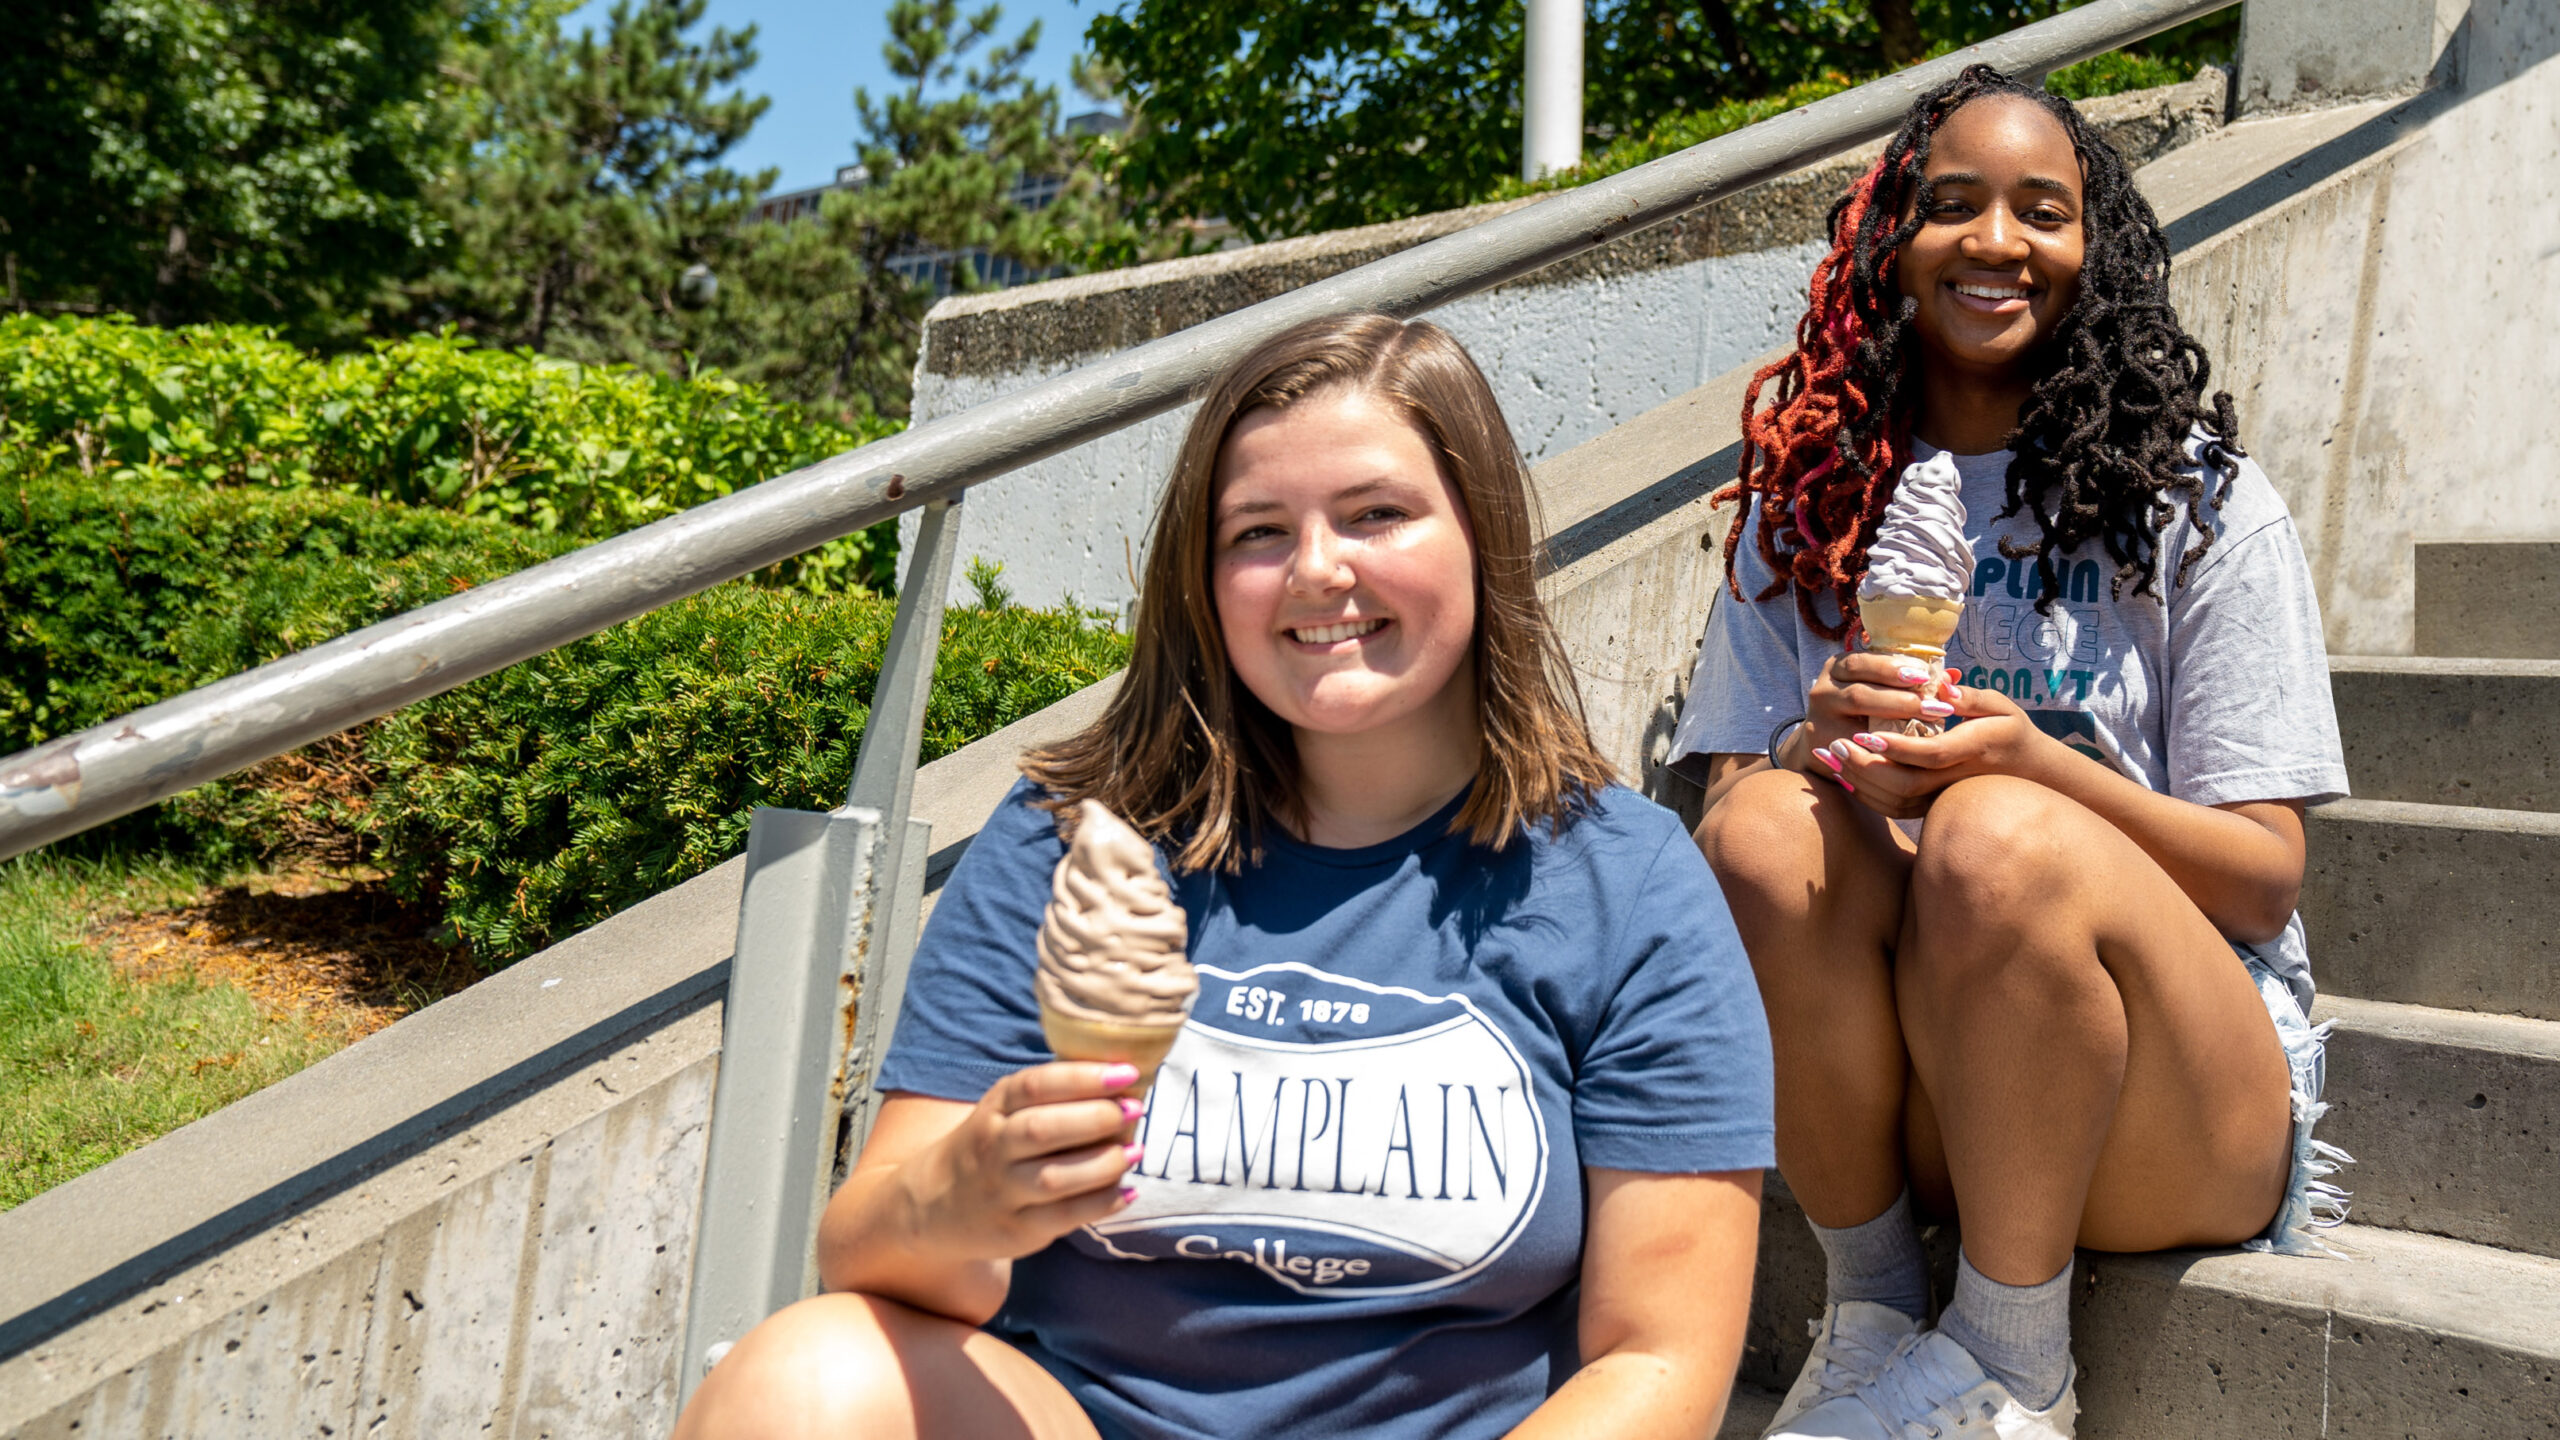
column 1919, row 571
column 1114, row 984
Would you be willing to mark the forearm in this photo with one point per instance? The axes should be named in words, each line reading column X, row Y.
column 871, row 1240
column 1727, row 770
column 1795, row 752
column 1633, row 1393
column 2243, row 876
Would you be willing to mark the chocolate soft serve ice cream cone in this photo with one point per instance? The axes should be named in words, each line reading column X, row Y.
column 1919, row 571
column 1114, row 984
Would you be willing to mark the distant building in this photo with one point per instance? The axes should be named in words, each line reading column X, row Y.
column 936, row 267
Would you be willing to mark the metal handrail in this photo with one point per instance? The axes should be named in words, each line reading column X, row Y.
column 77, row 781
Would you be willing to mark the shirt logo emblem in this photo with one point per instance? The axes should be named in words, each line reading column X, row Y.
column 1340, row 1137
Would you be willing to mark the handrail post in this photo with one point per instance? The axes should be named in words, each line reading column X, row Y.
column 804, row 921
column 826, row 922
column 884, row 779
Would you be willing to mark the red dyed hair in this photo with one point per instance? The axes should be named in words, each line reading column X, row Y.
column 1791, row 450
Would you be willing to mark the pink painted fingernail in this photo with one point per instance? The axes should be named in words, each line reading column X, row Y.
column 1871, row 740
column 1936, row 709
column 1131, row 1109
column 1128, row 1194
column 1827, row 758
column 1119, row 1077
column 1136, row 1155
column 1912, row 674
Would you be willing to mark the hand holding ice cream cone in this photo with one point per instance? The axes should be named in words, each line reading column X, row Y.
column 1919, row 571
column 1113, row 982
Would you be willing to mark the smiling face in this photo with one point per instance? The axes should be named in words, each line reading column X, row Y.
column 1996, row 263
column 1343, row 569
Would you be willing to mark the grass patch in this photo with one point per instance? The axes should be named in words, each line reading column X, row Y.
column 94, row 1063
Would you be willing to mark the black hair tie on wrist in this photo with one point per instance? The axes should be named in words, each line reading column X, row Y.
column 1778, row 737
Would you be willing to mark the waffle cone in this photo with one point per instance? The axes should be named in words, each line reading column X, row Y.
column 1918, row 626
column 1074, row 1037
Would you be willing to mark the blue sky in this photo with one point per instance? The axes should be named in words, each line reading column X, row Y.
column 815, row 51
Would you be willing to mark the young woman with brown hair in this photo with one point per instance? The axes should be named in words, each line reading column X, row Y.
column 1464, row 1135
column 2068, row 1005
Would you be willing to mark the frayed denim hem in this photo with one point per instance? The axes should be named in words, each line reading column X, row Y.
column 2311, row 1204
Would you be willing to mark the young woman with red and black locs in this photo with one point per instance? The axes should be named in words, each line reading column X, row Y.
column 2039, row 973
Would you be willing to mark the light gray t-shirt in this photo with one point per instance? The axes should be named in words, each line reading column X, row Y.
column 2219, row 695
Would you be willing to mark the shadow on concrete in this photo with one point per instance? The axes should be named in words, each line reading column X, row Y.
column 2305, row 171
column 1694, row 481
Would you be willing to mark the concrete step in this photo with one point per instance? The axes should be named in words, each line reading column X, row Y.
column 2414, row 1337
column 2450, row 732
column 2454, row 1120
column 2443, row 905
column 2488, row 597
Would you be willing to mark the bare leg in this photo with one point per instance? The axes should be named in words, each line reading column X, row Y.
column 2096, row 1063
column 1815, row 882
column 845, row 1366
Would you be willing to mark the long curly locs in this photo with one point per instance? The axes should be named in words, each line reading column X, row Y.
column 2100, row 452
column 2099, row 443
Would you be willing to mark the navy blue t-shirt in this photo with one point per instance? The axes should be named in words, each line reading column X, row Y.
column 1361, row 1211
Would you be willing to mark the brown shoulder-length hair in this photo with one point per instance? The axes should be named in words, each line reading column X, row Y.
column 1185, row 752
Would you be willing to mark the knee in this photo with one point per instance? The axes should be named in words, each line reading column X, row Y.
column 1766, row 834
column 1993, row 898
column 1996, row 851
column 829, row 1364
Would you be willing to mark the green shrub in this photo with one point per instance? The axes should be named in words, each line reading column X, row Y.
column 433, row 420
column 528, row 804
column 116, row 594
column 545, row 798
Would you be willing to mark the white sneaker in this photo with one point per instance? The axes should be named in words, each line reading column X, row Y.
column 1851, row 1342
column 1930, row 1388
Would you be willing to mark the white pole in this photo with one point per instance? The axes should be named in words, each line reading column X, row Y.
column 1551, row 94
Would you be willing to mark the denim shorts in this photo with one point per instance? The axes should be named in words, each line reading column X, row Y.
column 2311, row 1204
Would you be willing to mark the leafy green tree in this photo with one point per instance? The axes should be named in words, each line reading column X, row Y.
column 1328, row 113
column 1314, row 115
column 822, row 309
column 255, row 160
column 593, row 180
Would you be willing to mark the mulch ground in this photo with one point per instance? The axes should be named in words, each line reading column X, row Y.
column 343, row 956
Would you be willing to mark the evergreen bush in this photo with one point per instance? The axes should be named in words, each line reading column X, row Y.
column 528, row 804
column 434, row 421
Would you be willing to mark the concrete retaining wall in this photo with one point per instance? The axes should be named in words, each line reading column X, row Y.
column 1572, row 351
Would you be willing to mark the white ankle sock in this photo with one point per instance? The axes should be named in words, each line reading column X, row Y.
column 1879, row 1261
column 2021, row 1334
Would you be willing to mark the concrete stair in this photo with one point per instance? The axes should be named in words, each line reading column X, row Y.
column 2433, row 731
column 2481, row 597
column 2431, row 901
column 2442, row 905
